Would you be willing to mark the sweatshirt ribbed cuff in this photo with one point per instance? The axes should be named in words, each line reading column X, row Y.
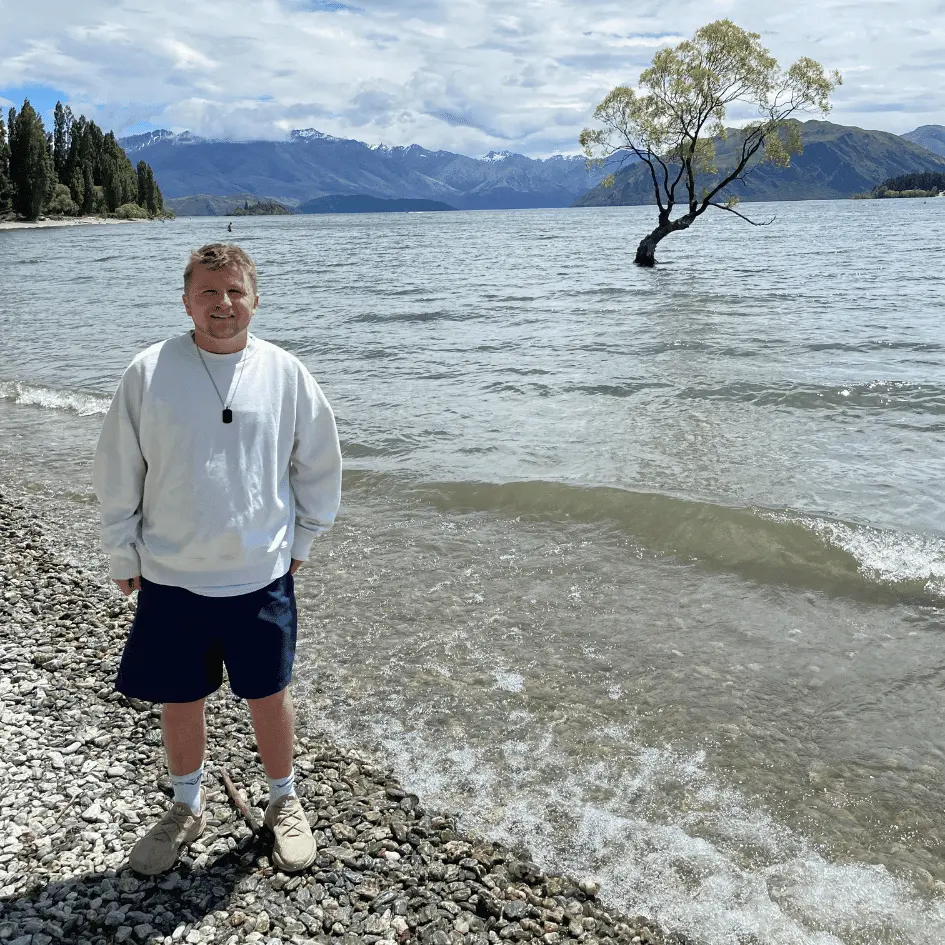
column 124, row 564
column 302, row 544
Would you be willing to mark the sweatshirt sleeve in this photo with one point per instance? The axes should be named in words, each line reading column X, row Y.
column 315, row 467
column 118, row 477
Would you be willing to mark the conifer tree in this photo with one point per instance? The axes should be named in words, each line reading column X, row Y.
column 155, row 200
column 142, row 175
column 6, row 185
column 62, row 135
column 31, row 166
column 81, row 164
column 75, row 169
column 11, row 134
column 110, row 174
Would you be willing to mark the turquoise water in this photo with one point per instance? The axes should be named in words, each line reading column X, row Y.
column 645, row 570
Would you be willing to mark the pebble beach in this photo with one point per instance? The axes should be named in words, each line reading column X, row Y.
column 83, row 776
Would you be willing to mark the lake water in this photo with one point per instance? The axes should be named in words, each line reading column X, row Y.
column 642, row 570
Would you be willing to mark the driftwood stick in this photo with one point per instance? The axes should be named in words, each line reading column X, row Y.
column 239, row 802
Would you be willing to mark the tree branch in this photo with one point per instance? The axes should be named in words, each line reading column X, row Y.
column 747, row 154
column 682, row 169
column 670, row 194
column 656, row 184
column 722, row 206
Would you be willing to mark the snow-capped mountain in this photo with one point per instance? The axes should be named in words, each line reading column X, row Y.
column 314, row 164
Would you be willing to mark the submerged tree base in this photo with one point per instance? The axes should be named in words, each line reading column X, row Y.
column 646, row 259
column 646, row 251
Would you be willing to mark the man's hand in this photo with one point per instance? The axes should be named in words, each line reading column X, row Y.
column 296, row 564
column 128, row 585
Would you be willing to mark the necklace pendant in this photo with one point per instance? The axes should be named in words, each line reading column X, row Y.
column 227, row 415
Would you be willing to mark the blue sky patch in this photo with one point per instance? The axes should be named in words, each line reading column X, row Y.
column 42, row 97
column 138, row 128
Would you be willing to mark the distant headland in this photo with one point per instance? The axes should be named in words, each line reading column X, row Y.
column 359, row 203
column 927, row 184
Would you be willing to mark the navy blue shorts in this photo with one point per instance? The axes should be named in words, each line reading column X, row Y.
column 180, row 641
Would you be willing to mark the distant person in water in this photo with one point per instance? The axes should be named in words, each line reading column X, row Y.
column 229, row 227
column 217, row 466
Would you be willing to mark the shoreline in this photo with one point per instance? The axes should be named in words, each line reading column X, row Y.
column 85, row 776
column 64, row 221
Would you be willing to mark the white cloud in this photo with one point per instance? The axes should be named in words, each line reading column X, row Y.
column 468, row 76
column 187, row 58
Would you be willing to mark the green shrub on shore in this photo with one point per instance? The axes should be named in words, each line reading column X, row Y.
column 906, row 193
column 132, row 211
column 61, row 203
column 79, row 170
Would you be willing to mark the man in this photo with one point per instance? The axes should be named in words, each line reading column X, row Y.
column 217, row 466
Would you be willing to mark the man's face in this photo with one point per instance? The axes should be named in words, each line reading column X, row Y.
column 221, row 303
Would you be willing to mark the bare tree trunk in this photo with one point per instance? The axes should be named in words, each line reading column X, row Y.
column 646, row 251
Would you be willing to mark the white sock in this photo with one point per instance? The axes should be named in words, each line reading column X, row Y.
column 281, row 787
column 187, row 789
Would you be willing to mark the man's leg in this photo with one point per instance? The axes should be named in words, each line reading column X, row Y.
column 171, row 657
column 185, row 735
column 274, row 724
column 185, row 741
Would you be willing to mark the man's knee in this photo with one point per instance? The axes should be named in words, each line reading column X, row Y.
column 183, row 709
column 280, row 699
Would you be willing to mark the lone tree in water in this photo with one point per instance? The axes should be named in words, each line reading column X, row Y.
column 672, row 121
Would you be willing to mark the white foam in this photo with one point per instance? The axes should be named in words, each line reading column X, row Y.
column 509, row 682
column 663, row 836
column 886, row 556
column 86, row 405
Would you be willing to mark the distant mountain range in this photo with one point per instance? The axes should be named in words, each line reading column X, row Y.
column 931, row 137
column 201, row 176
column 312, row 165
column 838, row 161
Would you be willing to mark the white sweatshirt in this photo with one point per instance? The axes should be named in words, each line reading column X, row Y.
column 219, row 509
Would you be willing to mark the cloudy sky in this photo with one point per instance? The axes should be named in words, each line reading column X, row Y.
column 466, row 75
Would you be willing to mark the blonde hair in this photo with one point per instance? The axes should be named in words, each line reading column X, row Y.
column 220, row 256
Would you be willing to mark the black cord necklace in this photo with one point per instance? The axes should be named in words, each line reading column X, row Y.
column 227, row 412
